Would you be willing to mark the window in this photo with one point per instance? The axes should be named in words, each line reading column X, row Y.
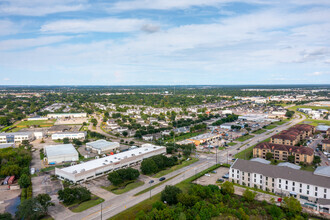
column 315, row 188
column 266, row 178
column 237, row 176
column 279, row 180
column 324, row 196
column 300, row 185
column 300, row 190
column 292, row 183
column 280, row 186
column 255, row 180
column 307, row 186
column 307, row 192
column 237, row 171
column 273, row 179
column 325, row 190
column 272, row 184
column 255, row 175
column 286, row 187
column 315, row 193
column 260, row 181
column 233, row 175
column 286, row 182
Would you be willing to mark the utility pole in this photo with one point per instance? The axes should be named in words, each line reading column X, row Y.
column 101, row 211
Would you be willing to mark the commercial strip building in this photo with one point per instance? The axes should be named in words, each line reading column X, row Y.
column 203, row 138
column 102, row 146
column 16, row 137
column 283, row 152
column 293, row 135
column 98, row 167
column 67, row 115
column 37, row 118
column 60, row 153
column 309, row 188
column 70, row 135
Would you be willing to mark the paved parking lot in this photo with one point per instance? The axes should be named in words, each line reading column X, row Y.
column 206, row 180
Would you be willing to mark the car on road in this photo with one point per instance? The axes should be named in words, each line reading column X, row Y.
column 226, row 176
column 238, row 149
column 151, row 181
column 230, row 155
column 162, row 179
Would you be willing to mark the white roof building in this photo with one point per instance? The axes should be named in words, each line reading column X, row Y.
column 60, row 153
column 102, row 146
column 94, row 168
column 70, row 135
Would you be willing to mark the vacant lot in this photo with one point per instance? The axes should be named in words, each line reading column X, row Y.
column 269, row 127
column 260, row 131
column 41, row 123
column 244, row 138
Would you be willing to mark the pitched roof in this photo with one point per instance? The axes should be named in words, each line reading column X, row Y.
column 282, row 147
column 282, row 172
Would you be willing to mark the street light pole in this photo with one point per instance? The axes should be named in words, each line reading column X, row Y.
column 101, row 211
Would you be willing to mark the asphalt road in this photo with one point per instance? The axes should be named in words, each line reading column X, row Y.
column 119, row 203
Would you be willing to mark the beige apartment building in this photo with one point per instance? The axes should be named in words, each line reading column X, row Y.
column 282, row 152
column 293, row 135
column 326, row 145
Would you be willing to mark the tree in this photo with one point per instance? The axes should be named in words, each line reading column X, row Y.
column 291, row 158
column 125, row 133
column 316, row 160
column 5, row 216
column 169, row 194
column 292, row 204
column 249, row 195
column 77, row 194
column 66, row 141
column 148, row 166
column 4, row 121
column 289, row 114
column 115, row 178
column 269, row 155
column 227, row 188
column 45, row 202
column 24, row 181
column 29, row 209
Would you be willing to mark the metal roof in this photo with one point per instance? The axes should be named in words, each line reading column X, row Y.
column 282, row 172
column 260, row 160
column 103, row 145
column 323, row 171
column 290, row 165
column 2, row 146
column 59, row 150
column 16, row 133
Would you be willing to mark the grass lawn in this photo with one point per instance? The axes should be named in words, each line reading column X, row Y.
column 271, row 126
column 248, row 152
column 307, row 106
column 176, row 167
column 244, row 138
column 259, row 131
column 281, row 122
column 232, row 144
column 154, row 186
column 315, row 122
column 125, row 188
column 95, row 200
column 41, row 123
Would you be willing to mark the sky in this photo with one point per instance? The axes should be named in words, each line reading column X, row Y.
column 164, row 42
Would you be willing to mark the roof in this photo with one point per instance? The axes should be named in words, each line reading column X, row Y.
column 16, row 133
column 323, row 201
column 322, row 127
column 327, row 141
column 103, row 145
column 92, row 164
column 288, row 148
column 59, row 150
column 6, row 145
column 282, row 172
column 323, row 171
column 260, row 160
column 287, row 135
column 290, row 165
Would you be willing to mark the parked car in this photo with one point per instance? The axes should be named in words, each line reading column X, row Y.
column 151, row 181
column 207, row 174
column 213, row 171
column 32, row 171
column 221, row 180
column 226, row 176
column 162, row 178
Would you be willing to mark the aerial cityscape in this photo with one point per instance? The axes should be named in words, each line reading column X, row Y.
column 188, row 109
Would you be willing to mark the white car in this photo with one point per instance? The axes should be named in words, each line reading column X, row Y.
column 207, row 174
column 32, row 171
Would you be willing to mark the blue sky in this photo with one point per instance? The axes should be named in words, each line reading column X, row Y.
column 164, row 42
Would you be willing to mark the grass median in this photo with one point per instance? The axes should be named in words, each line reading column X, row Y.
column 95, row 200
column 176, row 167
column 125, row 188
column 244, row 138
column 259, row 131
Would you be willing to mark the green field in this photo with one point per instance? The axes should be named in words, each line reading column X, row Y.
column 259, row 131
column 95, row 200
column 308, row 106
column 281, row 122
column 315, row 122
column 271, row 126
column 232, row 144
column 176, row 167
column 248, row 152
column 42, row 123
column 244, row 138
column 127, row 187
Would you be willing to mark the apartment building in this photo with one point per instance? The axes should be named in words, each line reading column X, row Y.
column 326, row 145
column 304, row 185
column 283, row 152
column 293, row 135
column 16, row 137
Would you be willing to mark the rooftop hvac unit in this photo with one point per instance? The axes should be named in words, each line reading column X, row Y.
column 75, row 171
column 133, row 155
column 104, row 164
column 145, row 149
column 111, row 161
column 140, row 152
column 106, row 161
column 82, row 170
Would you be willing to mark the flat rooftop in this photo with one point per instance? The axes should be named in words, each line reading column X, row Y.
column 103, row 144
column 59, row 150
column 92, row 164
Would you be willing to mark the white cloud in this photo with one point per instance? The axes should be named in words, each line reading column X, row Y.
column 32, row 42
column 110, row 25
column 7, row 28
column 40, row 7
column 318, row 73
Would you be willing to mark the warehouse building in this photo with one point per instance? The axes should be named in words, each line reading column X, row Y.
column 67, row 115
column 98, row 167
column 60, row 153
column 70, row 135
column 311, row 189
column 102, row 146
column 16, row 137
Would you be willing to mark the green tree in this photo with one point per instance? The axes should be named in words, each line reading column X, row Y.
column 317, row 160
column 45, row 202
column 125, row 133
column 148, row 166
column 24, row 181
column 66, row 141
column 227, row 188
column 6, row 216
column 291, row 158
column 115, row 178
column 269, row 155
column 292, row 205
column 4, row 121
column 289, row 114
column 249, row 195
column 170, row 194
column 29, row 209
